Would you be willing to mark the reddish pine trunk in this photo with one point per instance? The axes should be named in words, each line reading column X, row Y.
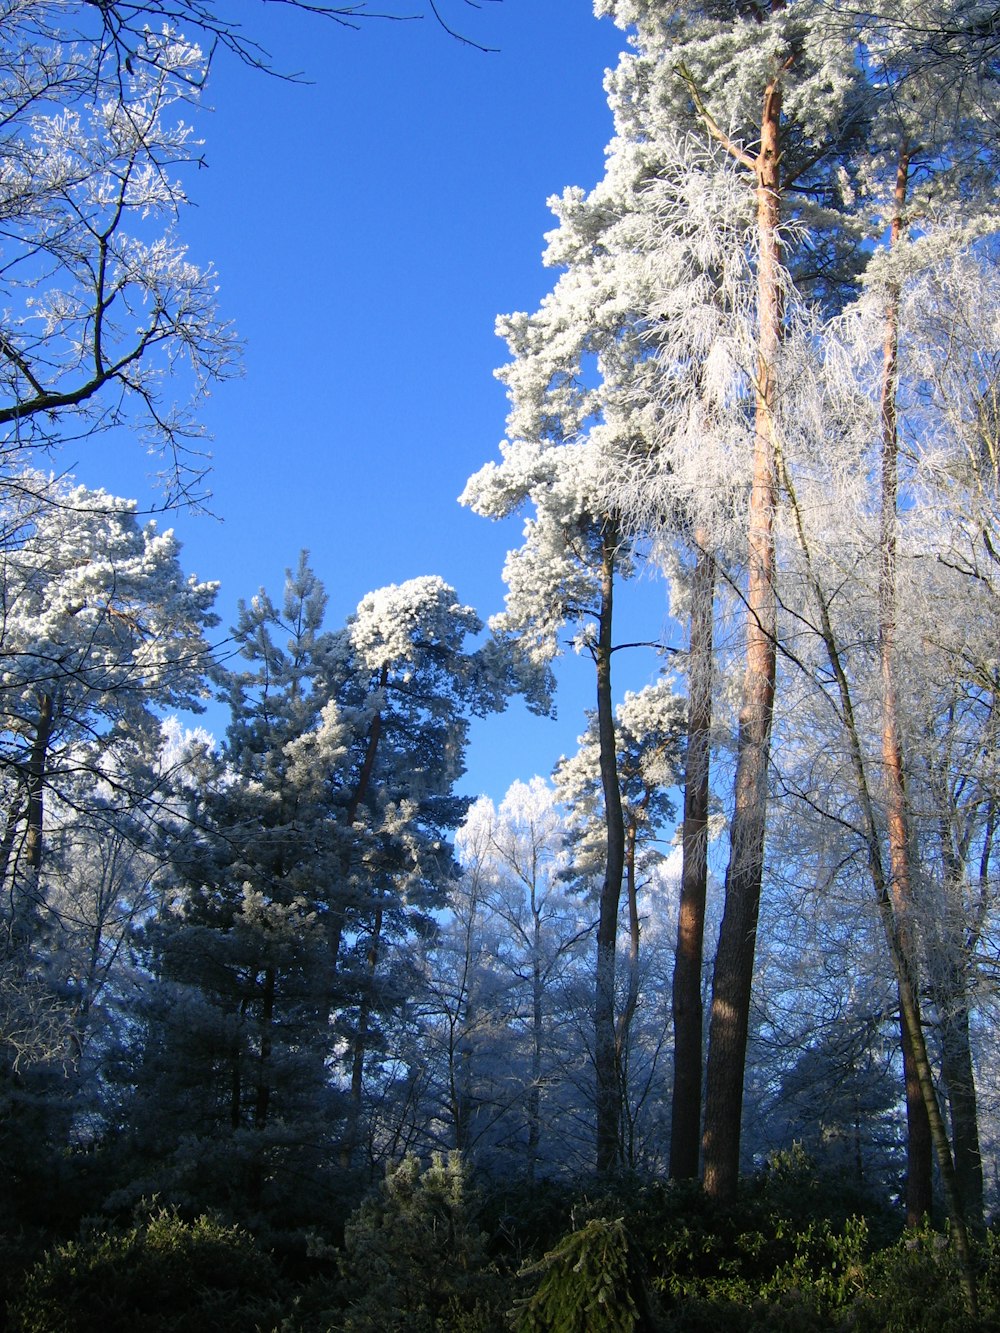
column 733, row 974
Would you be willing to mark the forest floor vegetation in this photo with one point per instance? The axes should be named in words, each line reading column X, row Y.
column 427, row 1251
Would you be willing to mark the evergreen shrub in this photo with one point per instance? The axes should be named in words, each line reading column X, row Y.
column 162, row 1276
column 587, row 1284
column 415, row 1258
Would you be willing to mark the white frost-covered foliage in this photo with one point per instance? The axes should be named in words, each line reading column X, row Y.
column 401, row 621
column 100, row 627
column 554, row 577
column 105, row 314
column 632, row 390
column 97, row 608
column 650, row 725
column 636, row 374
column 505, row 1053
column 321, row 851
column 684, row 219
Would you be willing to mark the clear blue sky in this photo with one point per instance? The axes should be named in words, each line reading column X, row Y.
column 367, row 228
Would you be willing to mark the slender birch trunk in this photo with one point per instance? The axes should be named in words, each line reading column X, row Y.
column 623, row 1024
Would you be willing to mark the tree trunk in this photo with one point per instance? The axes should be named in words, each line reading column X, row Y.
column 605, row 1062
column 624, row 1022
column 685, row 1122
column 15, row 811
column 361, row 1040
column 919, row 1153
column 909, row 1011
column 960, row 1081
column 262, row 1098
column 952, row 938
column 36, row 784
column 338, row 915
column 733, row 975
column 336, row 934
column 537, row 1046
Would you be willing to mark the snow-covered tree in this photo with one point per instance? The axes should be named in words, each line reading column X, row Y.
column 312, row 856
column 106, row 315
column 100, row 627
column 500, row 975
column 649, row 729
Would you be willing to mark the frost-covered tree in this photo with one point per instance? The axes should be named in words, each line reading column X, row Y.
column 100, row 628
column 501, row 974
column 805, row 108
column 767, row 85
column 565, row 574
column 312, row 855
column 649, row 729
column 665, row 331
column 839, row 523
column 106, row 316
column 410, row 690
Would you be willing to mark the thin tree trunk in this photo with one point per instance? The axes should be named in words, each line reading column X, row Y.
column 537, row 1045
column 605, row 1063
column 262, row 1098
column 627, row 1014
column 338, row 915
column 14, row 813
column 907, row 996
column 24, row 889
column 733, row 974
column 949, row 988
column 236, row 1070
column 361, row 1039
column 919, row 1194
column 960, row 1080
column 364, row 1011
column 36, row 784
column 685, row 1121
column 623, row 1024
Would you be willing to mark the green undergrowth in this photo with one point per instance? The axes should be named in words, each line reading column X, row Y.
column 163, row 1275
column 429, row 1253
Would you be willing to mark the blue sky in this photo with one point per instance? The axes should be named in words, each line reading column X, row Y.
column 367, row 228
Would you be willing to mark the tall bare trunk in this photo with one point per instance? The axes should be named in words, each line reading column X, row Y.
column 364, row 1015
column 960, row 1081
column 262, row 1096
column 953, row 937
column 733, row 973
column 605, row 1063
column 685, row 1122
column 919, row 1195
